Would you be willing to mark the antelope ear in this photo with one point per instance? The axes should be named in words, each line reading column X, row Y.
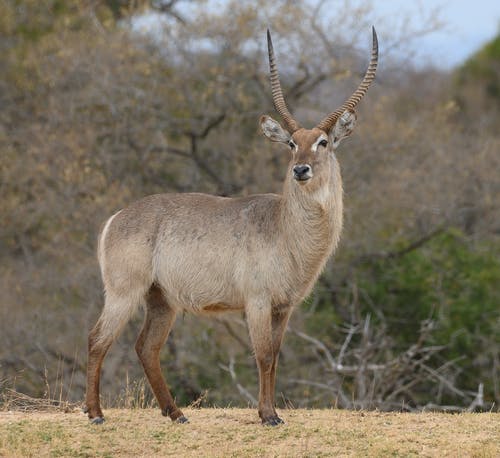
column 343, row 127
column 273, row 131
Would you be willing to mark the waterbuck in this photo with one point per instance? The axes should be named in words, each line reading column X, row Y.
column 199, row 253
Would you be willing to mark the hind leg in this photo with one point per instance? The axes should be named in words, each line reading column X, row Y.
column 157, row 324
column 116, row 313
column 96, row 352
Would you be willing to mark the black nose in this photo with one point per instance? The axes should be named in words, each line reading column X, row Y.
column 302, row 172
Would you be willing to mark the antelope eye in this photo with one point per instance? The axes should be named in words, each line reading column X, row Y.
column 323, row 143
column 291, row 144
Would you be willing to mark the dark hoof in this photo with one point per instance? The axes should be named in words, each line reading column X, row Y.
column 182, row 419
column 274, row 421
column 97, row 421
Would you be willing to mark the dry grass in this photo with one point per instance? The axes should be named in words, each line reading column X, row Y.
column 237, row 432
column 15, row 401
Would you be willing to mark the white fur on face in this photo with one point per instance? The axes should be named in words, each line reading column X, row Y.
column 314, row 146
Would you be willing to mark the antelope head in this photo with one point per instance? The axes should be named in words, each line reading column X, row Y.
column 312, row 148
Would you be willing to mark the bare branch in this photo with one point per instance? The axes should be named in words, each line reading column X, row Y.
column 399, row 253
column 167, row 7
column 243, row 391
column 347, row 340
column 321, row 346
column 236, row 336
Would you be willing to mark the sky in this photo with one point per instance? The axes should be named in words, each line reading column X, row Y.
column 468, row 25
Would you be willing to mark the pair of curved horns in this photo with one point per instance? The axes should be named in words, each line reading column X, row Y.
column 327, row 123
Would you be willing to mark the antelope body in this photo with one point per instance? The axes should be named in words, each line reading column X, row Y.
column 205, row 254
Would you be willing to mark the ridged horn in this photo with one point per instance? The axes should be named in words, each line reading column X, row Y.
column 278, row 100
column 358, row 94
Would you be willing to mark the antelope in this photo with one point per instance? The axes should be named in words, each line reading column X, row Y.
column 199, row 253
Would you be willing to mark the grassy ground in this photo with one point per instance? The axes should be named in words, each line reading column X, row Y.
column 237, row 432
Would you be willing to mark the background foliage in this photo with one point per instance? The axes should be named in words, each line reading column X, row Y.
column 105, row 102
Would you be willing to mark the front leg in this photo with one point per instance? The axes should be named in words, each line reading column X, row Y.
column 259, row 319
column 280, row 317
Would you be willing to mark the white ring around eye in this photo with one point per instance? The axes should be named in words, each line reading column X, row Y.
column 315, row 145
